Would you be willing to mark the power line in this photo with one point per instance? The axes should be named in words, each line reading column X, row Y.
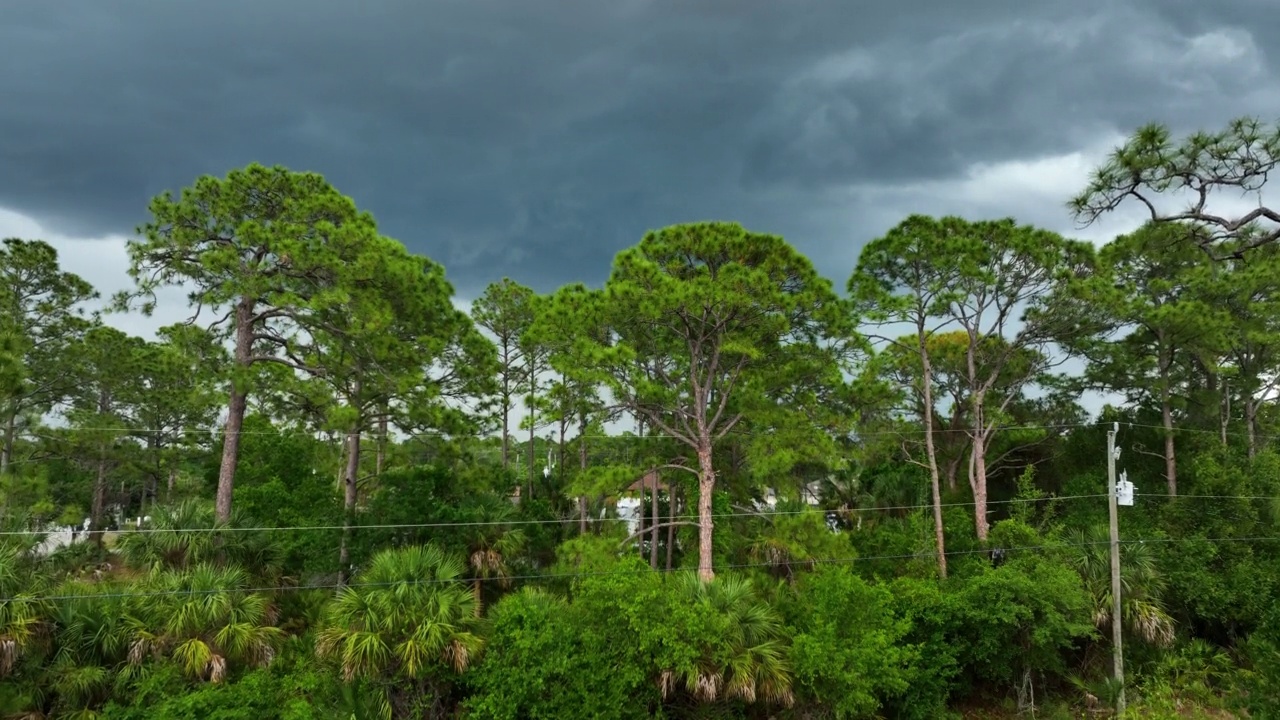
column 763, row 513
column 1180, row 496
column 1215, row 433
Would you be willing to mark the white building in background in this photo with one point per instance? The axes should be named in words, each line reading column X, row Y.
column 811, row 494
column 629, row 510
column 60, row 536
column 631, row 507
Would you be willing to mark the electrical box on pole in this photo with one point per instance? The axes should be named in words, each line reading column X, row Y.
column 1124, row 490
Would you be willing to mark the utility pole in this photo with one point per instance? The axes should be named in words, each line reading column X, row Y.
column 1117, row 638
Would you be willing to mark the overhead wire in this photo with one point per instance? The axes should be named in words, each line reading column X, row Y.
column 762, row 513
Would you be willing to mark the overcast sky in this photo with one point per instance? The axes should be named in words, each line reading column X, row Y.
column 535, row 140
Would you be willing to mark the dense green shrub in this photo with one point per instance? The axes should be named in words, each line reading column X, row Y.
column 847, row 648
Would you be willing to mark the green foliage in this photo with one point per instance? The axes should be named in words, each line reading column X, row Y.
column 188, row 534
column 984, row 631
column 742, row 316
column 549, row 659
column 847, row 645
column 791, row 541
column 1033, row 605
column 405, row 626
column 293, row 688
column 42, row 319
column 506, row 310
column 1220, row 579
column 279, row 486
column 356, row 390
column 1263, row 652
column 1239, row 157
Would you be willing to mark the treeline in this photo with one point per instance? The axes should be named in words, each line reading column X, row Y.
column 331, row 493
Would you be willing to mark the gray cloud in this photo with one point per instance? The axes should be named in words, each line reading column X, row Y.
column 508, row 138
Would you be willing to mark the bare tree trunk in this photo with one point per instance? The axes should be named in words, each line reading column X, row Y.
column 99, row 505
column 533, row 416
column 653, row 512
column 349, row 504
column 99, row 502
column 1166, row 417
column 1170, row 458
column 6, row 453
column 953, row 469
column 151, row 492
column 340, row 475
column 506, row 403
column 237, row 404
column 173, row 480
column 1226, row 410
column 564, row 424
column 152, row 487
column 1251, row 425
column 955, row 428
column 979, row 463
column 978, row 453
column 671, row 525
column 926, row 381
column 706, row 486
column 381, row 459
column 582, row 462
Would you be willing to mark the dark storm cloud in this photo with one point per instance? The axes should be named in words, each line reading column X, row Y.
column 536, row 140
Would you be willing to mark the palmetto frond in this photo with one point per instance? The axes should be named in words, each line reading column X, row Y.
column 407, row 613
column 189, row 534
column 749, row 660
column 204, row 617
column 20, row 612
column 1141, row 587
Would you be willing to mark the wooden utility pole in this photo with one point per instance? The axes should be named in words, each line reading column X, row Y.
column 1117, row 639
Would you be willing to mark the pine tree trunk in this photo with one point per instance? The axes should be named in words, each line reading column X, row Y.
column 237, row 405
column 1170, row 458
column 654, row 521
column 340, row 474
column 1226, row 410
column 978, row 454
column 980, row 485
column 99, row 505
column 506, row 402
column 1165, row 360
column 953, row 469
column 349, row 504
column 381, row 459
column 706, row 486
column 926, row 381
column 6, row 452
column 152, row 489
column 582, row 462
column 1251, row 425
column 99, row 502
column 533, row 416
column 564, row 424
column 671, row 525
